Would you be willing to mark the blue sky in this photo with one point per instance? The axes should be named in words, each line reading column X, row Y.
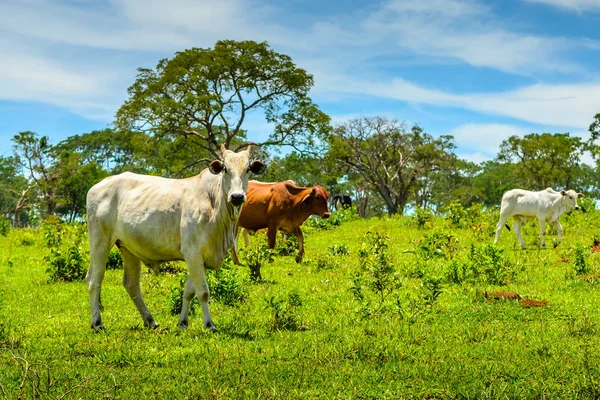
column 479, row 70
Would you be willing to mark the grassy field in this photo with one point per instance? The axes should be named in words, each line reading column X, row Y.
column 320, row 329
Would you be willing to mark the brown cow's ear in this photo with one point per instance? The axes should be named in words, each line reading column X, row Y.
column 563, row 192
column 216, row 167
column 580, row 195
column 257, row 167
column 306, row 201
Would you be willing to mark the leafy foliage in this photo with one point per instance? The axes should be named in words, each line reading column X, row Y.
column 66, row 259
column 115, row 260
column 284, row 312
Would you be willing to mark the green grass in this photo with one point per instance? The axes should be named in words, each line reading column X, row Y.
column 461, row 345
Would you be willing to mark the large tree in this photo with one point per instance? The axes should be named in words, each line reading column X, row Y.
column 389, row 157
column 544, row 160
column 209, row 93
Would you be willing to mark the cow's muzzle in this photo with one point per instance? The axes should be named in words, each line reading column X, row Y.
column 237, row 199
column 326, row 215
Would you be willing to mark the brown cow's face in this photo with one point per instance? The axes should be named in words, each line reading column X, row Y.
column 570, row 199
column 317, row 201
column 236, row 169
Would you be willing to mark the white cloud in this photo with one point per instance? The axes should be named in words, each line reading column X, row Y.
column 476, row 157
column 573, row 5
column 484, row 139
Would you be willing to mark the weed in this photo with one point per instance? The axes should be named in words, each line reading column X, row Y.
column 422, row 218
column 324, row 263
column 255, row 257
column 436, row 244
column 227, row 286
column 486, row 263
column 338, row 249
column 462, row 217
column 285, row 312
column 432, row 289
column 288, row 245
column 580, row 263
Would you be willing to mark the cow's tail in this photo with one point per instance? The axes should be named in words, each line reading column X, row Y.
column 507, row 227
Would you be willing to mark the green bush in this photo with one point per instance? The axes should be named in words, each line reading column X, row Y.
column 586, row 204
column 288, row 245
column 27, row 239
column 338, row 249
column 580, row 263
column 437, row 244
column 422, row 218
column 115, row 260
column 486, row 263
column 228, row 286
column 462, row 217
column 255, row 256
column 4, row 225
column 66, row 258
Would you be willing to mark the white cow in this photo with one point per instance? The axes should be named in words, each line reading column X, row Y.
column 547, row 206
column 154, row 219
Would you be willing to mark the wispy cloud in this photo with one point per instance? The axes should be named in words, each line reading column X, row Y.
column 572, row 5
column 483, row 140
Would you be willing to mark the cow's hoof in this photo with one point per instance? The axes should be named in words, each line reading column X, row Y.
column 183, row 324
column 210, row 327
column 151, row 324
column 97, row 326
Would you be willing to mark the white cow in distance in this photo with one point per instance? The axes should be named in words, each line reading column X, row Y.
column 154, row 219
column 547, row 206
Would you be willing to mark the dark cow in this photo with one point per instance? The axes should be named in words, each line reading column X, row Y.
column 341, row 201
column 281, row 206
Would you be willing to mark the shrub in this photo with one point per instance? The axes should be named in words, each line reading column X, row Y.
column 437, row 244
column 4, row 225
column 115, row 260
column 422, row 218
column 288, row 245
column 254, row 257
column 66, row 260
column 338, row 249
column 486, row 263
column 27, row 239
column 432, row 289
column 376, row 270
column 462, row 217
column 227, row 286
column 580, row 263
column 586, row 204
column 327, row 263
column 285, row 312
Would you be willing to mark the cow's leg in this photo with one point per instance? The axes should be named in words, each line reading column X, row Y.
column 300, row 236
column 272, row 236
column 499, row 227
column 234, row 255
column 246, row 240
column 188, row 294
column 197, row 281
column 517, row 227
column 559, row 230
column 543, row 232
column 132, row 269
column 99, row 249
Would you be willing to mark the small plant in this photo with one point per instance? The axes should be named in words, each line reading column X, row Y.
column 66, row 260
column 227, row 286
column 288, row 245
column 580, row 263
column 437, row 244
column 432, row 288
column 285, row 312
column 423, row 217
column 115, row 260
column 327, row 263
column 255, row 257
column 27, row 239
column 338, row 249
column 4, row 225
column 486, row 263
column 376, row 273
column 462, row 217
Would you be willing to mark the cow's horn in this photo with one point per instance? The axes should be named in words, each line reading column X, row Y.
column 223, row 149
column 249, row 149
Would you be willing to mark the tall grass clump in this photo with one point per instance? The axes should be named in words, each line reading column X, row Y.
column 486, row 264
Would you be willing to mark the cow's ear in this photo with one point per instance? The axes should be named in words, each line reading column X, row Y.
column 216, row 167
column 306, row 202
column 563, row 192
column 580, row 195
column 257, row 167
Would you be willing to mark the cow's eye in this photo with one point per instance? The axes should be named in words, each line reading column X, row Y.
column 224, row 170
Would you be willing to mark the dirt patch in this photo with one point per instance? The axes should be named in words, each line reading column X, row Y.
column 589, row 277
column 528, row 303
column 502, row 295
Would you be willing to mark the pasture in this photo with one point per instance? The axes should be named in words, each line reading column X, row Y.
column 321, row 329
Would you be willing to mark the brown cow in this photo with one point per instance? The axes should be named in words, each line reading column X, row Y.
column 281, row 206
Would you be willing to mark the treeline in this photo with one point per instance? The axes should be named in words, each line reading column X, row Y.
column 179, row 113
